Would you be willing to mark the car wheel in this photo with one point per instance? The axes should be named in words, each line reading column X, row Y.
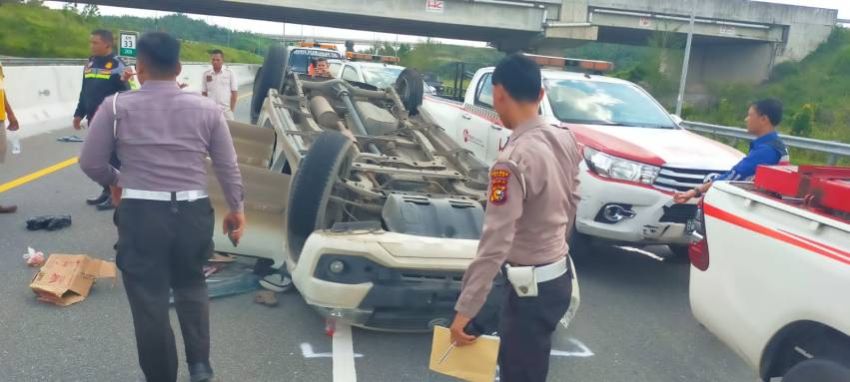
column 410, row 88
column 580, row 244
column 327, row 160
column 817, row 369
column 268, row 77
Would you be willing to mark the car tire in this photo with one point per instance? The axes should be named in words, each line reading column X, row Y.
column 580, row 244
column 818, row 369
column 268, row 77
column 410, row 88
column 327, row 158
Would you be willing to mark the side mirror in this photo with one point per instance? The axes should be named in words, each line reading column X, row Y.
column 677, row 119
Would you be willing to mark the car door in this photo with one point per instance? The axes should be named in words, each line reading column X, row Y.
column 486, row 134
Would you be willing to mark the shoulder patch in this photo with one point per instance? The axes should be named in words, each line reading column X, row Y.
column 499, row 186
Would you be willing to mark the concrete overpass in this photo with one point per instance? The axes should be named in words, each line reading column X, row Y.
column 735, row 40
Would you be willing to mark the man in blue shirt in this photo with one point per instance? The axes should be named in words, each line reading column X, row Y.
column 763, row 118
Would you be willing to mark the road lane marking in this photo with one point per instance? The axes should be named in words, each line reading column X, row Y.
column 244, row 96
column 38, row 174
column 343, row 354
column 307, row 352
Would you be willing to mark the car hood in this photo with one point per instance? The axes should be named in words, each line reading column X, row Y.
column 661, row 147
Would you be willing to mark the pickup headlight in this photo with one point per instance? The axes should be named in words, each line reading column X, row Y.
column 613, row 167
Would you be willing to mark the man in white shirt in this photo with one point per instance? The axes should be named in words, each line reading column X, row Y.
column 219, row 84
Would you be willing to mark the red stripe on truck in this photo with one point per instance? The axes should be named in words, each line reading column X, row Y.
column 795, row 240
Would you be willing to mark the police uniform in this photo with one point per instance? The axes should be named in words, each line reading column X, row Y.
column 101, row 78
column 531, row 207
column 165, row 220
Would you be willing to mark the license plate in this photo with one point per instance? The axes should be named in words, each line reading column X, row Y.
column 691, row 225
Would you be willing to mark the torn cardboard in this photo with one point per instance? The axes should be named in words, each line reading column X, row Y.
column 67, row 279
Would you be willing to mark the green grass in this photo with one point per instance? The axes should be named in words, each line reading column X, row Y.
column 36, row 31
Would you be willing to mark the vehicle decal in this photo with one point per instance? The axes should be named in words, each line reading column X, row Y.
column 795, row 240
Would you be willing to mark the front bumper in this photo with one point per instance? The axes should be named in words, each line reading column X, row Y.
column 389, row 281
column 656, row 219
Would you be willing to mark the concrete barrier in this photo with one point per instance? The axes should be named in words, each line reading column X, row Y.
column 44, row 97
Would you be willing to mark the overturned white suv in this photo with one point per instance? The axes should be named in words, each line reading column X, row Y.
column 373, row 210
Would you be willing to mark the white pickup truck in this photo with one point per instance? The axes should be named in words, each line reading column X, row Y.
column 772, row 276
column 635, row 153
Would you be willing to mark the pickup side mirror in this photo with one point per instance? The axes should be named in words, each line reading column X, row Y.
column 677, row 119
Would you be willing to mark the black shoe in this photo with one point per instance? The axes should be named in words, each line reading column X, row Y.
column 106, row 205
column 98, row 199
column 201, row 372
column 37, row 223
column 59, row 222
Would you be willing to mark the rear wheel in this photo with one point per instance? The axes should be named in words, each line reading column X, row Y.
column 309, row 209
column 817, row 369
column 268, row 77
column 410, row 88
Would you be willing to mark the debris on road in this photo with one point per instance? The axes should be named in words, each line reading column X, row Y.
column 34, row 258
column 67, row 279
column 230, row 279
column 49, row 222
column 70, row 139
column 266, row 297
column 222, row 258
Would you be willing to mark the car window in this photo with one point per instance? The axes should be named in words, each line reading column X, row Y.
column 335, row 68
column 484, row 94
column 605, row 103
column 350, row 74
column 380, row 77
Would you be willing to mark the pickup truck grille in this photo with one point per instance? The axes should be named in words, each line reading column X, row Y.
column 679, row 179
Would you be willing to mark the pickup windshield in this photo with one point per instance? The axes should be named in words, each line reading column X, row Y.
column 381, row 77
column 605, row 103
column 299, row 59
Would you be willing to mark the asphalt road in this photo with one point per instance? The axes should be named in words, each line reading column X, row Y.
column 634, row 323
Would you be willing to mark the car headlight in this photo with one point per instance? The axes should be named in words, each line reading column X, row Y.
column 613, row 167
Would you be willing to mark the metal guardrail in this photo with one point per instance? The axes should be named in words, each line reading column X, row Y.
column 834, row 150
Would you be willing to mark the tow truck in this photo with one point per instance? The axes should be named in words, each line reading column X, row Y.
column 636, row 154
column 369, row 205
column 771, row 273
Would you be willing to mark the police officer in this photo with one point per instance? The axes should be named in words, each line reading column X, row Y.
column 763, row 118
column 165, row 220
column 531, row 206
column 102, row 77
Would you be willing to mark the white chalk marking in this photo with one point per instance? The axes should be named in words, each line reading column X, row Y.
column 343, row 355
column 581, row 351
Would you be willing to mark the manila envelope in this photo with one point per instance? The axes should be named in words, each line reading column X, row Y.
column 473, row 363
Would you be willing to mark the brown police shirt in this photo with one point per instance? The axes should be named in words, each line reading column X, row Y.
column 532, row 201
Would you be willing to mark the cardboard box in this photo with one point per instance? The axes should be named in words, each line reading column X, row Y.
column 67, row 279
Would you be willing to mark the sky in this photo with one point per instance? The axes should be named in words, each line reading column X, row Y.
column 294, row 30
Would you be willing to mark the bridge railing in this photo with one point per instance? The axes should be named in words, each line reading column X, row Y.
column 833, row 150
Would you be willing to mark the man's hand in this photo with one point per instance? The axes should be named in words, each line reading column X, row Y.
column 459, row 337
column 684, row 197
column 77, row 121
column 13, row 123
column 115, row 192
column 127, row 74
column 234, row 226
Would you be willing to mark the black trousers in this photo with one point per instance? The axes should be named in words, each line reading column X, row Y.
column 526, row 326
column 163, row 246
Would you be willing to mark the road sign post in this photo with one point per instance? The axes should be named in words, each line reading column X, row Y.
column 127, row 43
